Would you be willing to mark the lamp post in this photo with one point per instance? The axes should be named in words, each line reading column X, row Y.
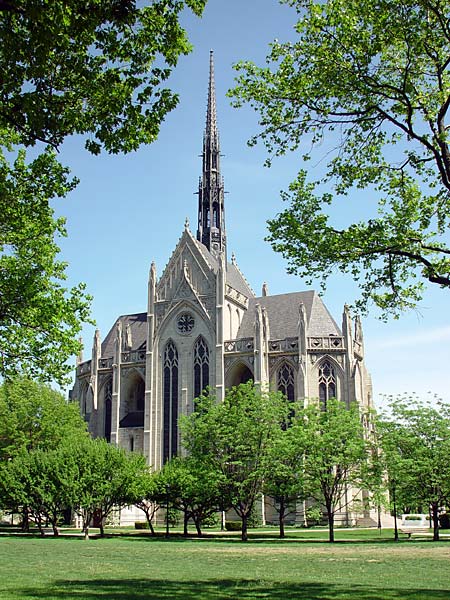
column 167, row 510
column 395, row 512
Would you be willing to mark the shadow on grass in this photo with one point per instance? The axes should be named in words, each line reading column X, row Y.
column 137, row 589
column 269, row 540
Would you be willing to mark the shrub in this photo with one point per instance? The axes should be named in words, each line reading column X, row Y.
column 233, row 525
column 444, row 521
column 211, row 520
column 140, row 525
column 314, row 515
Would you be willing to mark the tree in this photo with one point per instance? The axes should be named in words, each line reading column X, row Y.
column 105, row 479
column 88, row 475
column 336, row 455
column 98, row 69
column 233, row 438
column 365, row 85
column 148, row 495
column 283, row 483
column 33, row 416
column 415, row 438
column 193, row 487
column 40, row 481
column 39, row 319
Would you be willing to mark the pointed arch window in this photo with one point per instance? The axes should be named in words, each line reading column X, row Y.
column 170, row 395
column 286, row 385
column 327, row 383
column 285, row 381
column 201, row 366
column 108, row 411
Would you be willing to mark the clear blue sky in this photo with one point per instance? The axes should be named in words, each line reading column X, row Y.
column 130, row 210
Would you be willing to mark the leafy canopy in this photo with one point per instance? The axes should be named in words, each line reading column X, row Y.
column 415, row 438
column 40, row 319
column 233, row 438
column 364, row 89
column 96, row 68
column 336, row 455
column 33, row 416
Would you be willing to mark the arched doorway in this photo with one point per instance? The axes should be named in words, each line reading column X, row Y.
column 240, row 373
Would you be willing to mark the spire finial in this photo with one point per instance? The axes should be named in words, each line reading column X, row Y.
column 211, row 116
column 211, row 210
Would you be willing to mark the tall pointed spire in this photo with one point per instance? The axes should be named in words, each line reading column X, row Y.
column 211, row 211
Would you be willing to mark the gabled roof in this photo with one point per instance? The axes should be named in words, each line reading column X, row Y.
column 204, row 254
column 237, row 281
column 283, row 313
column 138, row 326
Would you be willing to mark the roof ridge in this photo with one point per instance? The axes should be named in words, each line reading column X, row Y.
column 234, row 264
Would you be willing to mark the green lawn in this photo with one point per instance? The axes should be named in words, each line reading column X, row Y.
column 362, row 565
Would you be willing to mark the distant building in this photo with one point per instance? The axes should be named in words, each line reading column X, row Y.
column 204, row 326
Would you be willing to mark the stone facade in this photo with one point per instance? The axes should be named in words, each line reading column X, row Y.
column 204, row 325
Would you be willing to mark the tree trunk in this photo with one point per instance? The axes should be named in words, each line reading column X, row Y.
column 395, row 514
column 102, row 529
column 150, row 524
column 149, row 511
column 86, row 532
column 244, row 534
column 55, row 527
column 197, row 522
column 39, row 524
column 282, row 514
column 25, row 519
column 185, row 523
column 435, row 517
column 330, row 515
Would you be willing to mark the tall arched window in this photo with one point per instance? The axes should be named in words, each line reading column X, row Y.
column 108, row 410
column 327, row 383
column 285, row 381
column 201, row 366
column 170, row 394
column 285, row 385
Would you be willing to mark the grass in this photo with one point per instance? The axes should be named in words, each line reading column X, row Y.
column 362, row 565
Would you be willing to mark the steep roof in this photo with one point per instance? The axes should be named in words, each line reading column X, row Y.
column 283, row 311
column 138, row 326
column 237, row 281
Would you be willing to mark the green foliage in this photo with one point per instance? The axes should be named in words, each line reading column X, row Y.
column 336, row 454
column 193, row 488
column 35, row 417
column 233, row 526
column 38, row 483
column 147, row 490
column 104, row 479
column 141, row 525
column 48, row 462
column 39, row 319
column 233, row 438
column 98, row 69
column 415, row 437
column 365, row 85
column 284, row 479
column 314, row 515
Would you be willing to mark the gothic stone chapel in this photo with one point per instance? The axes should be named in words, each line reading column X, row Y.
column 204, row 325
